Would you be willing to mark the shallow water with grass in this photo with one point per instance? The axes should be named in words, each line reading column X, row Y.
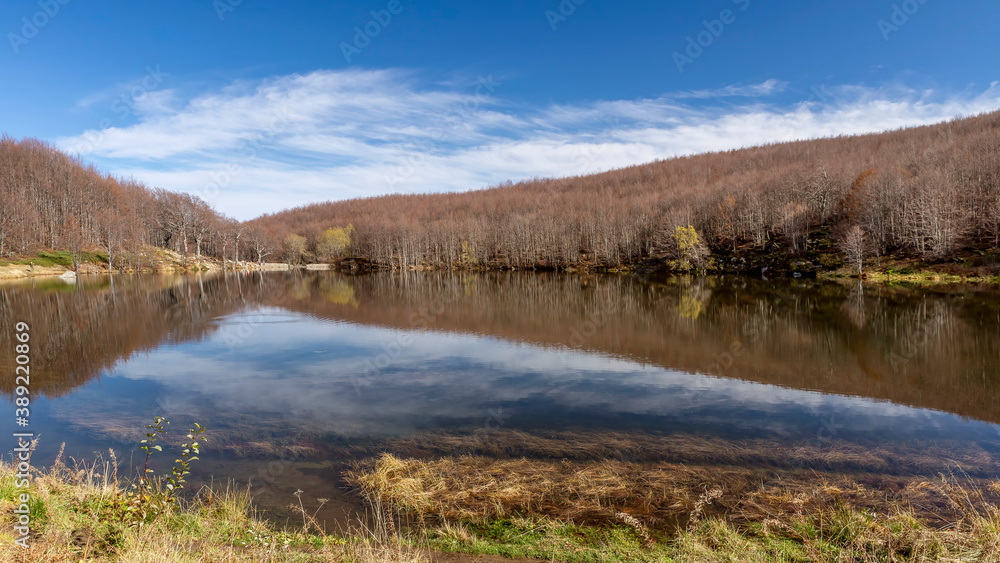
column 513, row 406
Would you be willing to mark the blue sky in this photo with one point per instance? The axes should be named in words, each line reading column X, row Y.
column 257, row 106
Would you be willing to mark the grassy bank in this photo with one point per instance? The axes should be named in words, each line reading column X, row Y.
column 918, row 278
column 618, row 511
column 82, row 514
column 54, row 258
column 57, row 262
column 553, row 511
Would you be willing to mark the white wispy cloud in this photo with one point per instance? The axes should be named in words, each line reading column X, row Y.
column 765, row 88
column 254, row 147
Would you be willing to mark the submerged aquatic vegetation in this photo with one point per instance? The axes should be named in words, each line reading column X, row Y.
column 552, row 510
column 616, row 511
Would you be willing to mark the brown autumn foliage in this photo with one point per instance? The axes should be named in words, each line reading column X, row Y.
column 925, row 192
column 53, row 201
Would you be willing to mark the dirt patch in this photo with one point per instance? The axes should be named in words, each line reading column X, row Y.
column 18, row 271
column 439, row 557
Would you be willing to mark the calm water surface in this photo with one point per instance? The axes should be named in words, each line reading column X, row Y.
column 297, row 374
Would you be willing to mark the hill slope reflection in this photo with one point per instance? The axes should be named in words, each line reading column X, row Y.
column 919, row 348
column 928, row 349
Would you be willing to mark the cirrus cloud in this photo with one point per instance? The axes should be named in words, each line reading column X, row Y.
column 256, row 147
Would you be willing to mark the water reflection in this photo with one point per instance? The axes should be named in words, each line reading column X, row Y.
column 305, row 359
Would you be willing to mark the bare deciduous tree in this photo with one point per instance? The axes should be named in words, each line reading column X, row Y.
column 853, row 245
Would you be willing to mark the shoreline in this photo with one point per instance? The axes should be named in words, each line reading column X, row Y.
column 472, row 508
column 19, row 272
column 13, row 272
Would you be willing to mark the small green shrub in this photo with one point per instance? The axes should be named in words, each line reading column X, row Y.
column 58, row 258
column 151, row 496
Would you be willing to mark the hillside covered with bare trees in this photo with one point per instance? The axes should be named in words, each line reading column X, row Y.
column 928, row 193
column 52, row 201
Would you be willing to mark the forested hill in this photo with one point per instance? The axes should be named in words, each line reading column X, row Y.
column 52, row 201
column 927, row 192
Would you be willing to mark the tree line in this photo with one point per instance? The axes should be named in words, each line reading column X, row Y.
column 925, row 191
column 53, row 201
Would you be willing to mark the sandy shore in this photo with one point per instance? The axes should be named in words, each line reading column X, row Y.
column 17, row 271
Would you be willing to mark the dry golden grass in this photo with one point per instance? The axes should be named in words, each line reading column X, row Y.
column 708, row 513
column 695, row 513
column 664, row 495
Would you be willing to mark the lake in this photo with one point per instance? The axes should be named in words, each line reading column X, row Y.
column 300, row 375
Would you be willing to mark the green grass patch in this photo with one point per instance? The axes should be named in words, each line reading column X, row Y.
column 78, row 516
column 843, row 535
column 542, row 538
column 551, row 540
column 64, row 258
